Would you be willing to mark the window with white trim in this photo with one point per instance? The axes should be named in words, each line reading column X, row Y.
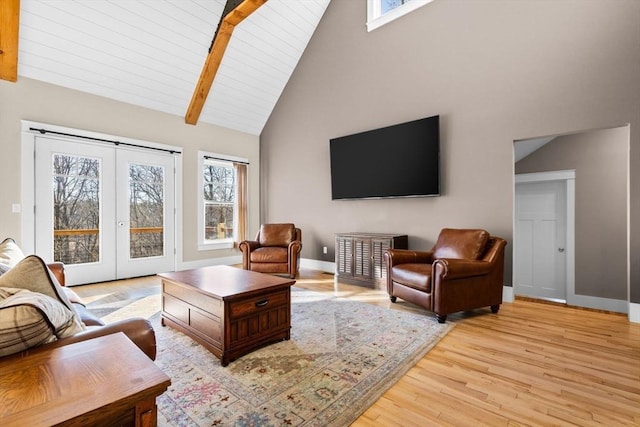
column 218, row 201
column 380, row 12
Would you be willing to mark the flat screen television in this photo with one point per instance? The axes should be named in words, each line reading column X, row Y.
column 402, row 160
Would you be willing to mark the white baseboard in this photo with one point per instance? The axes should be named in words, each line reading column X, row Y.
column 230, row 260
column 314, row 264
column 619, row 306
column 634, row 312
column 608, row 304
column 507, row 294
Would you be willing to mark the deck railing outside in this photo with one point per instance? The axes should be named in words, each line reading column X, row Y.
column 81, row 246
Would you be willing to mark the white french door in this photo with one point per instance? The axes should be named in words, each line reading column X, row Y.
column 145, row 213
column 108, row 213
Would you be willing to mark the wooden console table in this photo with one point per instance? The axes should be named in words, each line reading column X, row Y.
column 359, row 257
column 104, row 381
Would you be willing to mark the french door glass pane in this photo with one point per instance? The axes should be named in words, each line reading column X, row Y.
column 146, row 211
column 76, row 209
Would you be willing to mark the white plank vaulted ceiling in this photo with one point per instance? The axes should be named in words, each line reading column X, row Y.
column 151, row 52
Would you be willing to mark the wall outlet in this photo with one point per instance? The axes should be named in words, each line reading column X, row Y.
column 16, row 208
column 324, row 250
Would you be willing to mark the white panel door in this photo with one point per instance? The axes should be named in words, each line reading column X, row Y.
column 145, row 213
column 539, row 243
column 108, row 213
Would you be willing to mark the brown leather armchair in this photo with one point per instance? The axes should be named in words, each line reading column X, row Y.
column 464, row 270
column 276, row 249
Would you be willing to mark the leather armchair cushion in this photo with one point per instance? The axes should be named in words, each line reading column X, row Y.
column 416, row 276
column 277, row 235
column 269, row 254
column 460, row 244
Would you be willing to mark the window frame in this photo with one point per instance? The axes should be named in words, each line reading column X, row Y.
column 375, row 18
column 227, row 243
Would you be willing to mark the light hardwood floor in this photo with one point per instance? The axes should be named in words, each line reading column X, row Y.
column 531, row 364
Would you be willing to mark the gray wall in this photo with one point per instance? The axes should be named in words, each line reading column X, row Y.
column 36, row 101
column 495, row 71
column 600, row 159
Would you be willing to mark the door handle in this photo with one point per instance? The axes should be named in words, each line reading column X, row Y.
column 560, row 250
column 120, row 223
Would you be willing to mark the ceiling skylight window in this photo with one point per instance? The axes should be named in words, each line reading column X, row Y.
column 380, row 12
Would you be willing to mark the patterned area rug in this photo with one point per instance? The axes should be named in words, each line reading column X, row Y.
column 342, row 356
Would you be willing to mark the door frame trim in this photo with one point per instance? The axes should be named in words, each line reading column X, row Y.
column 27, row 231
column 568, row 177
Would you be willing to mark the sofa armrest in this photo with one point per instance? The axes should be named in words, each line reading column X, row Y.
column 405, row 256
column 138, row 330
column 458, row 268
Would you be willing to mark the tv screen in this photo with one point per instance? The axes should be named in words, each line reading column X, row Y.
column 396, row 161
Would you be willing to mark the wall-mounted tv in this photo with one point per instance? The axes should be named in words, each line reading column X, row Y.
column 402, row 160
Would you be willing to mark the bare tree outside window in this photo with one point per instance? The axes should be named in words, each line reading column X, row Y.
column 76, row 209
column 146, row 211
column 219, row 200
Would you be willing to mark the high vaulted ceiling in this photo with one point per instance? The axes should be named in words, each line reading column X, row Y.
column 151, row 52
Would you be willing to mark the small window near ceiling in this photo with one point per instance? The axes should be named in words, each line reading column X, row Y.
column 219, row 210
column 380, row 12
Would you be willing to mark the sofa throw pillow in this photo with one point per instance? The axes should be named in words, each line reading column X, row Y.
column 29, row 319
column 10, row 253
column 33, row 275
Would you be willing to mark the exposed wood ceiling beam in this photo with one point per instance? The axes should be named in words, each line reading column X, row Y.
column 230, row 18
column 9, row 26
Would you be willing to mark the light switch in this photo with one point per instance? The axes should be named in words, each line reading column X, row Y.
column 15, row 208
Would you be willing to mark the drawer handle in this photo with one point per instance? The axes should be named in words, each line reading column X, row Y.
column 262, row 303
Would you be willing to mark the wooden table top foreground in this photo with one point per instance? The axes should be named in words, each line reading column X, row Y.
column 53, row 386
column 227, row 282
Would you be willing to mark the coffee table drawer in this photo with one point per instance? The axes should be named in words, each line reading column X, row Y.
column 258, row 304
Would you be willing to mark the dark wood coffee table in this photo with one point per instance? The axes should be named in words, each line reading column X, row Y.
column 228, row 310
